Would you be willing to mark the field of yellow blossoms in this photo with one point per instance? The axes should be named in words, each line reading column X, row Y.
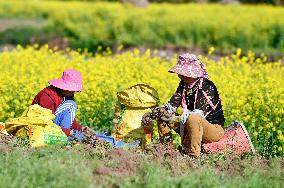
column 250, row 87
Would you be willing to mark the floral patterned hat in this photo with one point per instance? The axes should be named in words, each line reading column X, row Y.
column 189, row 65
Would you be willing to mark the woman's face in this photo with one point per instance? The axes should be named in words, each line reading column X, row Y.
column 187, row 80
column 67, row 93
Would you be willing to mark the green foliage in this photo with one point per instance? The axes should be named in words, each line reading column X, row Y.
column 274, row 2
column 26, row 35
column 226, row 27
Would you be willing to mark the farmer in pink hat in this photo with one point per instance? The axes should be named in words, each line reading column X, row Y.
column 59, row 97
column 202, row 118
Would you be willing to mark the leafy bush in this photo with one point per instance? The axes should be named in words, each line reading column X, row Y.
column 259, row 28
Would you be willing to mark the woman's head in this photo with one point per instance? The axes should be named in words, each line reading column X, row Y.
column 189, row 66
column 70, row 82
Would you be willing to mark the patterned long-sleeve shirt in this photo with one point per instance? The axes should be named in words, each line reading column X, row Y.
column 203, row 95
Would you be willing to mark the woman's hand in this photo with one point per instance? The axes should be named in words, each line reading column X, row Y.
column 77, row 135
column 147, row 119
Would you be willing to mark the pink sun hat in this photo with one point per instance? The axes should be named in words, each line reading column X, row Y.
column 189, row 65
column 71, row 80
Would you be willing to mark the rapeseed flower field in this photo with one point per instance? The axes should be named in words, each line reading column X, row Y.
column 251, row 88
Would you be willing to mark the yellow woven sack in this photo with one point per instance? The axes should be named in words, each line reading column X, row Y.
column 36, row 123
column 132, row 104
column 140, row 96
column 46, row 135
column 34, row 115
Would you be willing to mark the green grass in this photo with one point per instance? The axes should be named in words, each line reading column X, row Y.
column 77, row 166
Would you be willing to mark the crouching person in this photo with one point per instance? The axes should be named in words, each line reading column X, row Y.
column 59, row 98
column 202, row 118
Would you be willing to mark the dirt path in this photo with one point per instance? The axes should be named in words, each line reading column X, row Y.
column 17, row 23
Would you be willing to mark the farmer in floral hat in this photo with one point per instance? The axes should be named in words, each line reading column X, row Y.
column 59, row 97
column 202, row 118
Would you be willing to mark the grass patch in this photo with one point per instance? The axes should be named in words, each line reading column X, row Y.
column 84, row 166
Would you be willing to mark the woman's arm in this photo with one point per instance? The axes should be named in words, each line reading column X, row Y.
column 176, row 98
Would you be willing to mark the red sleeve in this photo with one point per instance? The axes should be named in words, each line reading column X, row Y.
column 66, row 131
column 45, row 101
column 75, row 125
